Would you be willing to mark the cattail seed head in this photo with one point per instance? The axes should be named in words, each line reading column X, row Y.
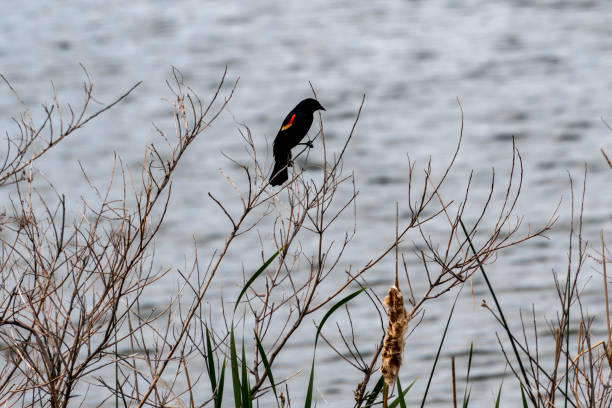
column 393, row 346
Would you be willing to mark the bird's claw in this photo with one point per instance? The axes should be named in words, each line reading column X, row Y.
column 308, row 143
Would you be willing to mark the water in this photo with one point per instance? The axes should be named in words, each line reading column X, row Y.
column 539, row 71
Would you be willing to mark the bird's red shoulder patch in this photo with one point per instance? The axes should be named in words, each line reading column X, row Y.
column 288, row 125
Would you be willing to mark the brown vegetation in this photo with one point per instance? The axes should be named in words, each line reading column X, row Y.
column 72, row 287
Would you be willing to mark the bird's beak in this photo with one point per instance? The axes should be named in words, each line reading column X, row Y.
column 322, row 108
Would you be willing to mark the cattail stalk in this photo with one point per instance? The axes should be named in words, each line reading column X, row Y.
column 393, row 346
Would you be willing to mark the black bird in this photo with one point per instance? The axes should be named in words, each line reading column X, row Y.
column 292, row 131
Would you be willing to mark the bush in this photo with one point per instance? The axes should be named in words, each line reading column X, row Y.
column 72, row 311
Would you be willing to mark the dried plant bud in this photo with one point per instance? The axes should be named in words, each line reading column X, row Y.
column 393, row 346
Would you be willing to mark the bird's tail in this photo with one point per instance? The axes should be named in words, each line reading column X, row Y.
column 279, row 174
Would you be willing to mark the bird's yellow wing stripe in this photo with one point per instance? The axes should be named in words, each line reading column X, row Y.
column 288, row 125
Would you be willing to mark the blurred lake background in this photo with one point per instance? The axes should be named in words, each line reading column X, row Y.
column 536, row 70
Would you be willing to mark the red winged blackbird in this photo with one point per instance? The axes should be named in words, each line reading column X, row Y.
column 292, row 131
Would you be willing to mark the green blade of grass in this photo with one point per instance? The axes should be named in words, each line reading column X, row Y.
column 267, row 367
column 400, row 398
column 255, row 275
column 466, row 399
column 235, row 374
column 211, row 363
column 219, row 392
column 308, row 402
column 246, row 387
column 375, row 391
column 466, row 393
column 401, row 395
column 433, row 368
column 499, row 394
column 525, row 405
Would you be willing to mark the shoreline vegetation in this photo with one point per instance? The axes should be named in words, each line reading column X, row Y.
column 73, row 321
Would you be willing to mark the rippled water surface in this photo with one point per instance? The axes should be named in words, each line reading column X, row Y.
column 535, row 70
